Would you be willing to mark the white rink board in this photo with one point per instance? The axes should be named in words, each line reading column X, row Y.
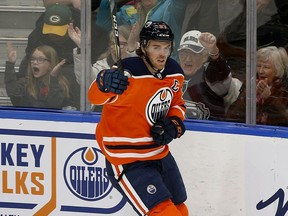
column 213, row 169
column 229, row 174
column 225, row 174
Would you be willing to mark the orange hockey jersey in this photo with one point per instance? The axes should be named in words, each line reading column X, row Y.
column 123, row 132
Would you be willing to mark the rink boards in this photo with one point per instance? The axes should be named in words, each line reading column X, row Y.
column 52, row 165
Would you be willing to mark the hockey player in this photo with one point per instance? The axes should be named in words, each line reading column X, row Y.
column 142, row 114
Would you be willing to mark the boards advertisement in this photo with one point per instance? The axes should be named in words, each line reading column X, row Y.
column 55, row 173
column 56, row 168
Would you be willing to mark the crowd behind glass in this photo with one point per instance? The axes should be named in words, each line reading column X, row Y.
column 210, row 45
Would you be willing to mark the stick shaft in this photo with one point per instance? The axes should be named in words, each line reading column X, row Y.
column 113, row 10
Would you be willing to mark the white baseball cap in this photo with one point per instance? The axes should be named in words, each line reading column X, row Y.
column 190, row 40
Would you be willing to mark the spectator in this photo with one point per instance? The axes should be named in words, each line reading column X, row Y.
column 51, row 29
column 74, row 3
column 232, row 40
column 282, row 9
column 98, row 34
column 44, row 86
column 201, row 15
column 208, row 88
column 127, row 47
column 169, row 11
column 126, row 14
column 275, row 31
column 271, row 89
column 128, row 43
column 211, row 16
column 269, row 33
column 237, row 27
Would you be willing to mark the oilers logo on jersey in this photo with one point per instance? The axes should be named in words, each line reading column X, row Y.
column 159, row 105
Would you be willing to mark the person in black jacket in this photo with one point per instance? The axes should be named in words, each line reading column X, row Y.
column 51, row 30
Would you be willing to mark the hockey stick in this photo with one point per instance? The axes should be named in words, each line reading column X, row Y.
column 113, row 11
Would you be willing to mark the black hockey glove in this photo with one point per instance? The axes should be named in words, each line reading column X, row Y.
column 112, row 81
column 167, row 129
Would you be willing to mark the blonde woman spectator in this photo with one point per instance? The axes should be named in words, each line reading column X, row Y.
column 271, row 89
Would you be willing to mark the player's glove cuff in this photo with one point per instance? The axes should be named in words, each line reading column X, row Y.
column 100, row 81
column 167, row 129
column 179, row 126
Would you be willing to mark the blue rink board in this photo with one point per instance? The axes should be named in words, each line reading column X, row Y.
column 76, row 116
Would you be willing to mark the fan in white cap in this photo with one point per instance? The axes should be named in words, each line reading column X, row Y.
column 190, row 40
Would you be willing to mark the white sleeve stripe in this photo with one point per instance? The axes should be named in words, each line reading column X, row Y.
column 127, row 139
column 133, row 154
column 178, row 107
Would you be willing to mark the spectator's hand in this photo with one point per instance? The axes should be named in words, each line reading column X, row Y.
column 57, row 68
column 11, row 53
column 141, row 14
column 76, row 4
column 208, row 40
column 262, row 4
column 133, row 37
column 74, row 34
column 263, row 90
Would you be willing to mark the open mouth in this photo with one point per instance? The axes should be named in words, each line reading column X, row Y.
column 35, row 69
column 262, row 77
column 188, row 66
